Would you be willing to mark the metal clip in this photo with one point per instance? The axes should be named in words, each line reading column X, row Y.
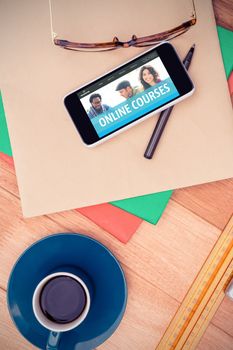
column 229, row 290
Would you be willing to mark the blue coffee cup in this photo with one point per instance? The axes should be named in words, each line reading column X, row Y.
column 88, row 260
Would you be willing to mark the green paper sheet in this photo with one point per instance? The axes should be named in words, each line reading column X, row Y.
column 226, row 44
column 149, row 207
column 5, row 146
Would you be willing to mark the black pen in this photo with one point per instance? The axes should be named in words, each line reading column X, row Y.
column 164, row 116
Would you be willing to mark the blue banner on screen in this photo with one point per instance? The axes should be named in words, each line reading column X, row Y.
column 134, row 107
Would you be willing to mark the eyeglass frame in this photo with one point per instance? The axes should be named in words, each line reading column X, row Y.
column 116, row 43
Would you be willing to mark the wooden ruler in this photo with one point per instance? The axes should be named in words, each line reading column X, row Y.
column 203, row 298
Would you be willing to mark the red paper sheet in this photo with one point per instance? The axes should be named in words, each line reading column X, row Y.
column 116, row 221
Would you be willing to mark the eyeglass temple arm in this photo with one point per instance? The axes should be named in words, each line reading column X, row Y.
column 194, row 14
column 53, row 34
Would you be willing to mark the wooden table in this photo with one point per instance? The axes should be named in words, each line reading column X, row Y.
column 160, row 262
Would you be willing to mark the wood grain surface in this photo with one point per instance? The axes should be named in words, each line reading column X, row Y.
column 160, row 262
column 223, row 10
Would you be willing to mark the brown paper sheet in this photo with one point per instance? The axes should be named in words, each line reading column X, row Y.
column 55, row 171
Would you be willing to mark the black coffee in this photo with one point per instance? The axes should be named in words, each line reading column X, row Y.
column 62, row 299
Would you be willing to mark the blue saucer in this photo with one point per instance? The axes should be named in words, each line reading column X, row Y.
column 99, row 269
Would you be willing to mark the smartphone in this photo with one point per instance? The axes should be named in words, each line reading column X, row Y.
column 127, row 95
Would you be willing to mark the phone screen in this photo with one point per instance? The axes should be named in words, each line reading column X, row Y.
column 127, row 94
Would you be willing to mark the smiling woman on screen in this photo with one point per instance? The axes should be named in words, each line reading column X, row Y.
column 148, row 77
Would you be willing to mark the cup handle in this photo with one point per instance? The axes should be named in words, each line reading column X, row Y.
column 53, row 340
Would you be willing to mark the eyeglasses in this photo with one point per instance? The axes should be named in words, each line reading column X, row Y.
column 135, row 41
